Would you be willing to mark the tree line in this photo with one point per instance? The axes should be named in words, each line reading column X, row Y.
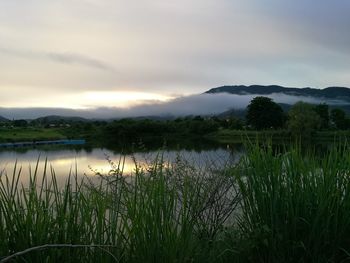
column 263, row 113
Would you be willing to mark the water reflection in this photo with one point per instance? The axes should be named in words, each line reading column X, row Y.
column 91, row 160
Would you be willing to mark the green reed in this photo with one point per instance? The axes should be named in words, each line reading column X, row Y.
column 296, row 206
column 283, row 205
column 162, row 213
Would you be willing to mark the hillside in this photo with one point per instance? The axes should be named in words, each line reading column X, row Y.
column 341, row 93
column 57, row 118
column 2, row 119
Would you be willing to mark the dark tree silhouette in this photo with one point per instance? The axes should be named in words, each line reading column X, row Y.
column 20, row 123
column 264, row 113
column 339, row 119
column 323, row 111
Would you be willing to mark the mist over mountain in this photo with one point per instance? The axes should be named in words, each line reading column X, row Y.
column 213, row 102
column 55, row 118
column 330, row 93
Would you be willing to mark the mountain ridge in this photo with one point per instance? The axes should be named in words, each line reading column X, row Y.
column 53, row 118
column 333, row 92
column 215, row 101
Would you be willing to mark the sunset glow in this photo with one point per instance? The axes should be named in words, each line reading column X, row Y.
column 87, row 100
column 121, row 98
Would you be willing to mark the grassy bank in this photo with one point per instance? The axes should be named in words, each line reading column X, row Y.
column 29, row 134
column 276, row 136
column 239, row 136
column 273, row 206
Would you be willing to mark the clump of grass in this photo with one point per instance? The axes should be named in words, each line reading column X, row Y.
column 166, row 213
column 296, row 207
column 172, row 211
column 43, row 214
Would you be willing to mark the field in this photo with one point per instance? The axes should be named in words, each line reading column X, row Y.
column 275, row 205
column 29, row 134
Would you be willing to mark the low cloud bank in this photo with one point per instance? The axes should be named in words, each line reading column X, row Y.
column 203, row 104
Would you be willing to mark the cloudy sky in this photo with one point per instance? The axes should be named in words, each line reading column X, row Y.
column 84, row 54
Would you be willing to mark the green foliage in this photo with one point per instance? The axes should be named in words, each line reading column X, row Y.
column 165, row 213
column 131, row 128
column 302, row 119
column 20, row 123
column 231, row 123
column 323, row 112
column 263, row 113
column 237, row 136
column 339, row 119
column 29, row 134
column 296, row 207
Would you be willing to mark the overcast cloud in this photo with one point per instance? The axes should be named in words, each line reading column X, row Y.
column 52, row 51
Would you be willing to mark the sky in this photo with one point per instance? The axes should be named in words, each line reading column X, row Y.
column 84, row 55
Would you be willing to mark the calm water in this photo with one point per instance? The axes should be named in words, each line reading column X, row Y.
column 90, row 160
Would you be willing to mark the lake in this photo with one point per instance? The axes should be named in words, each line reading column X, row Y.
column 88, row 161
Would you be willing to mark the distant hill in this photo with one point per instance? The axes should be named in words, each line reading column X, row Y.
column 151, row 117
column 240, row 113
column 57, row 118
column 340, row 93
column 2, row 119
column 232, row 113
column 221, row 101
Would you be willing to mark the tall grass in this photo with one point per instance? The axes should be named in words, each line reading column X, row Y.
column 273, row 206
column 43, row 213
column 165, row 213
column 296, row 207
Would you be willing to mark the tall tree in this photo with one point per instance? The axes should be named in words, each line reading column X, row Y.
column 339, row 120
column 302, row 119
column 323, row 111
column 264, row 113
column 20, row 123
